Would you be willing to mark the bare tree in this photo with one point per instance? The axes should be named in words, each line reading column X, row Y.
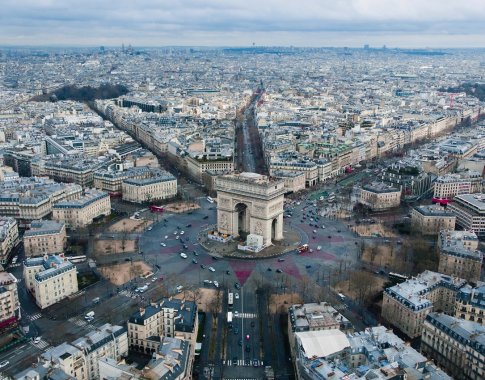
column 362, row 284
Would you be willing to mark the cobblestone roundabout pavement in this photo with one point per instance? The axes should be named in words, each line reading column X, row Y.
column 330, row 245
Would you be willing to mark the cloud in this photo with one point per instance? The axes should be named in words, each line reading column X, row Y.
column 227, row 22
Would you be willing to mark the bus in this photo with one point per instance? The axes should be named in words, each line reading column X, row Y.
column 154, row 208
column 230, row 299
column 303, row 248
column 210, row 200
column 229, row 319
column 76, row 259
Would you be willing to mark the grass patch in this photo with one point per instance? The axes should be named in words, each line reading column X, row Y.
column 86, row 279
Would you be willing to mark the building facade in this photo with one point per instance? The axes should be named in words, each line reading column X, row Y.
column 470, row 212
column 9, row 237
column 158, row 187
column 45, row 236
column 50, row 279
column 459, row 255
column 406, row 305
column 450, row 185
column 80, row 212
column 9, row 298
column 380, row 196
column 430, row 220
column 455, row 345
column 470, row 304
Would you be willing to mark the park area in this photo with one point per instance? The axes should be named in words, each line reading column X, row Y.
column 130, row 225
column 108, row 247
column 374, row 230
column 120, row 274
column 181, row 207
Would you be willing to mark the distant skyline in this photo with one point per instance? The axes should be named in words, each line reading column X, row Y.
column 352, row 23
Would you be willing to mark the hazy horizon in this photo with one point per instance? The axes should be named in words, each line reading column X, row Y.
column 223, row 23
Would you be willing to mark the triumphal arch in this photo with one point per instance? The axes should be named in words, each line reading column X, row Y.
column 250, row 203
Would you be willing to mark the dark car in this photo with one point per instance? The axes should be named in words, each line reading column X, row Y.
column 247, row 361
column 236, row 331
column 308, row 266
column 240, row 342
column 195, row 253
column 279, row 271
column 269, row 269
column 228, row 272
column 205, row 217
column 188, row 225
column 202, row 266
column 248, row 348
column 234, row 361
column 237, row 285
column 252, row 324
column 280, row 260
column 194, row 261
column 215, row 258
column 255, row 363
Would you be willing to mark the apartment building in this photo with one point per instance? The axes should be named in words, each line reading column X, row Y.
column 50, row 279
column 431, row 219
column 197, row 166
column 160, row 185
column 470, row 212
column 171, row 361
column 9, row 237
column 455, row 345
column 308, row 168
column 111, row 180
column 80, row 212
column 166, row 317
column 9, row 298
column 107, row 341
column 80, row 360
column 379, row 196
column 294, row 181
column 406, row 305
column 470, row 303
column 375, row 353
column 450, row 185
column 45, row 236
column 459, row 255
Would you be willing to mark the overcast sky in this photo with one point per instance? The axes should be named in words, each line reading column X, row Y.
column 396, row 23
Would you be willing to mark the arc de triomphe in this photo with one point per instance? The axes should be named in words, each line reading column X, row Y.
column 250, row 203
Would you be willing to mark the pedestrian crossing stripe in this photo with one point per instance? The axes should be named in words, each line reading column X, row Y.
column 42, row 344
column 241, row 363
column 35, row 316
column 78, row 321
column 246, row 315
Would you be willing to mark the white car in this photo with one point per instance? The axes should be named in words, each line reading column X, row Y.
column 319, row 248
column 212, row 269
column 4, row 363
column 150, row 228
column 163, row 244
column 216, row 284
column 183, row 255
column 182, row 232
column 177, row 237
column 236, row 296
column 166, row 237
column 236, row 313
column 175, row 232
column 37, row 340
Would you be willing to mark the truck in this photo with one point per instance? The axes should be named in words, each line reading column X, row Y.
column 89, row 315
column 142, row 288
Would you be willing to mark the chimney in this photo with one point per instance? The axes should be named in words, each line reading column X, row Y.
column 142, row 311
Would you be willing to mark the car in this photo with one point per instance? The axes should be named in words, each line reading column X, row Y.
column 36, row 340
column 216, row 284
column 150, row 228
column 154, row 279
column 269, row 269
column 253, row 324
column 240, row 342
column 186, row 246
column 255, row 363
column 202, row 266
column 4, row 363
column 166, row 236
column 236, row 296
column 194, row 261
column 248, row 348
column 308, row 266
column 188, row 225
column 228, row 272
column 182, row 232
column 236, row 313
column 178, row 227
column 247, row 361
column 183, row 255
column 207, row 282
column 177, row 237
column 279, row 271
column 323, row 227
column 163, row 244
column 329, row 236
column 215, row 258
column 212, row 269
column 319, row 248
column 234, row 361
column 175, row 232
column 127, row 259
column 237, row 285
column 314, row 231
column 281, row 260
column 205, row 217
column 236, row 331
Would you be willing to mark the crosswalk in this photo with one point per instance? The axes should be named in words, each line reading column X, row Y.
column 15, row 265
column 242, row 363
column 78, row 321
column 246, row 315
column 35, row 317
column 130, row 294
column 42, row 344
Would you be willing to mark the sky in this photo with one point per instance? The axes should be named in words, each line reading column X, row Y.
column 351, row 23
